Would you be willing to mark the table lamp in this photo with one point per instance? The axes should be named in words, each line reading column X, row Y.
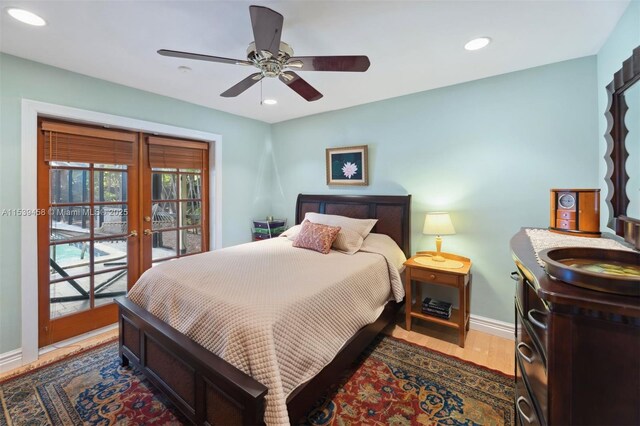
column 438, row 223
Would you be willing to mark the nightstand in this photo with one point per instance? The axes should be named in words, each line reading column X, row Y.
column 459, row 278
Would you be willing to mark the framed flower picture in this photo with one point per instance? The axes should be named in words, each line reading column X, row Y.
column 347, row 166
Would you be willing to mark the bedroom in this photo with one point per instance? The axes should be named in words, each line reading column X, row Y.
column 483, row 135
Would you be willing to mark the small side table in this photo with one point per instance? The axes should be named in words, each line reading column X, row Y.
column 459, row 278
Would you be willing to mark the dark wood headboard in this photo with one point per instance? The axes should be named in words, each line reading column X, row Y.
column 392, row 211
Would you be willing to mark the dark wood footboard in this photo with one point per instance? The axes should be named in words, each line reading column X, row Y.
column 209, row 390
column 204, row 387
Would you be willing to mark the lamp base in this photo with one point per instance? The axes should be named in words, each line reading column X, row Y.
column 438, row 258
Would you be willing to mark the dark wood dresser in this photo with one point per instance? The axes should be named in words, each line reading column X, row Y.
column 577, row 350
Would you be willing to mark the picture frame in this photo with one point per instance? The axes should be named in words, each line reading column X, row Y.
column 347, row 166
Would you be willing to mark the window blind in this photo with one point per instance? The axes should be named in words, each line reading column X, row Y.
column 84, row 144
column 177, row 154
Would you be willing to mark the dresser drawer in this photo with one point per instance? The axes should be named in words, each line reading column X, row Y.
column 566, row 224
column 525, row 409
column 433, row 277
column 536, row 315
column 533, row 366
column 566, row 215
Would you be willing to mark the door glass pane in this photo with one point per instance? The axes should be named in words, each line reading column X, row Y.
column 110, row 166
column 190, row 186
column 110, row 254
column 109, row 285
column 69, row 223
column 69, row 186
column 109, row 186
column 67, row 260
column 190, row 241
column 164, row 215
column 67, row 164
column 190, row 213
column 164, row 186
column 164, row 245
column 110, row 220
column 69, row 297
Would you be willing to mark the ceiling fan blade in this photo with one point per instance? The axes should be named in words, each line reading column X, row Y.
column 242, row 86
column 300, row 86
column 267, row 28
column 330, row 63
column 199, row 57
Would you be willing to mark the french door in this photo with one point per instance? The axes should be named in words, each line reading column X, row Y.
column 97, row 189
column 175, row 199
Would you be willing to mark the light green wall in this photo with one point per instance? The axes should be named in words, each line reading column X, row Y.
column 618, row 47
column 246, row 168
column 487, row 151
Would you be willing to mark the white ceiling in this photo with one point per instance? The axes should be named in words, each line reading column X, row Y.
column 413, row 45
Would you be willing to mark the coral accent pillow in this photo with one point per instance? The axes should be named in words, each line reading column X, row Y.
column 314, row 236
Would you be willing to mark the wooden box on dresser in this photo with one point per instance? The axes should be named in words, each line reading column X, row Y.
column 577, row 350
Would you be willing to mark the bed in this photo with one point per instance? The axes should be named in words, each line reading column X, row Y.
column 210, row 390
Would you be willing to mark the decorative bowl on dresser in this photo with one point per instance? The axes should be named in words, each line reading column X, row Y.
column 577, row 350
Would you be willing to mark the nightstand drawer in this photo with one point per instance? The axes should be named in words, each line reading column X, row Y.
column 433, row 277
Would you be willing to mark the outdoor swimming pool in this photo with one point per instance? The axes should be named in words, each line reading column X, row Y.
column 73, row 252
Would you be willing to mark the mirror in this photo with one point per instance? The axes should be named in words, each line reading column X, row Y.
column 632, row 144
column 623, row 146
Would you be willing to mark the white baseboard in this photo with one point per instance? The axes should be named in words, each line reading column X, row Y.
column 10, row 360
column 13, row 359
column 490, row 326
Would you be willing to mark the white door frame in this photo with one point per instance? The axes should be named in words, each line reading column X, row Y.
column 29, row 186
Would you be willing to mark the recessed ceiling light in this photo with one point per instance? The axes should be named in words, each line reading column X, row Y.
column 269, row 102
column 184, row 69
column 26, row 17
column 477, row 43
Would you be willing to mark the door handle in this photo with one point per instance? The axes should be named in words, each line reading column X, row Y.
column 133, row 233
column 148, row 232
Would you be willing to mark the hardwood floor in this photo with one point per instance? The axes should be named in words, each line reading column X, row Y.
column 480, row 348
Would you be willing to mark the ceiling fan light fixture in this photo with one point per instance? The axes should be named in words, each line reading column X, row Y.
column 477, row 43
column 26, row 17
column 270, row 102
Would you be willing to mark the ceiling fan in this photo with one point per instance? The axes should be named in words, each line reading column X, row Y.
column 274, row 58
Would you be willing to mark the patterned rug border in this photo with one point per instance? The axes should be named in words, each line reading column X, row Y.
column 54, row 361
column 484, row 367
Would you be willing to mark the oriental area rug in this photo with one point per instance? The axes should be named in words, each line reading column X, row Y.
column 394, row 383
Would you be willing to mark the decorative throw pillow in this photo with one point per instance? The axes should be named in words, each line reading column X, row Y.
column 315, row 236
column 361, row 226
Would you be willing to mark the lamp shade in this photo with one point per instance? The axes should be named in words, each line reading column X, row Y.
column 438, row 223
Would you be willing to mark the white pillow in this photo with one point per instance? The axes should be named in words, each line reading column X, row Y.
column 361, row 226
column 347, row 241
column 385, row 245
column 292, row 232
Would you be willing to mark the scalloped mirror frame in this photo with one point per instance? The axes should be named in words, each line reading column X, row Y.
column 617, row 154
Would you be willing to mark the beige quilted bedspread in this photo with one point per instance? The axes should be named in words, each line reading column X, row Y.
column 276, row 312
